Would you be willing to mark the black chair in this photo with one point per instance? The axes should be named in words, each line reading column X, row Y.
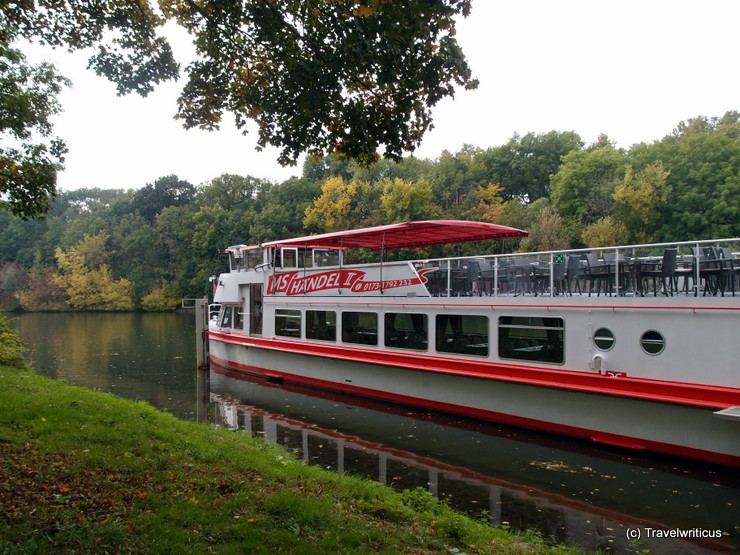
column 573, row 273
column 599, row 274
column 439, row 278
column 710, row 271
column 504, row 277
column 558, row 277
column 459, row 281
column 435, row 280
column 730, row 269
column 665, row 272
column 472, row 277
column 486, row 277
column 542, row 276
column 521, row 274
column 685, row 270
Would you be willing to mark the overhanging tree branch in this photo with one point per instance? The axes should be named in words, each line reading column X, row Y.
column 357, row 78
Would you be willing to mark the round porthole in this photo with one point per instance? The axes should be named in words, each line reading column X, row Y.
column 604, row 339
column 652, row 342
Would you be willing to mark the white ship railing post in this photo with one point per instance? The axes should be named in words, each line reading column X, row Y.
column 495, row 277
column 697, row 272
column 616, row 272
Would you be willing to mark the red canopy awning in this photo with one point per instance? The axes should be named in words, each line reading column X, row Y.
column 407, row 234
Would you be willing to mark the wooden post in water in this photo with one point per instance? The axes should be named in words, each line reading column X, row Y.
column 201, row 333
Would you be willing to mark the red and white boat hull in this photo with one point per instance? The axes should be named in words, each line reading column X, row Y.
column 670, row 428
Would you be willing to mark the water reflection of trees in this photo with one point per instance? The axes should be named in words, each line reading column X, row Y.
column 146, row 356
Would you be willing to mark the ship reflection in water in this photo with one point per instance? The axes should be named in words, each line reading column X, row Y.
column 572, row 493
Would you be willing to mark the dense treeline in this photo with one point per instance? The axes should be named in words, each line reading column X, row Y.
column 101, row 249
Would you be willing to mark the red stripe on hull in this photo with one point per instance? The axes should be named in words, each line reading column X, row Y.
column 697, row 395
column 616, row 440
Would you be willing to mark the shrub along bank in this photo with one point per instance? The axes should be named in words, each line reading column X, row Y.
column 87, row 472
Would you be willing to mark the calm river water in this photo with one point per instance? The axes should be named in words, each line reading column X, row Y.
column 574, row 492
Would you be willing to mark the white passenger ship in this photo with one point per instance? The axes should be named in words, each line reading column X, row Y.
column 634, row 346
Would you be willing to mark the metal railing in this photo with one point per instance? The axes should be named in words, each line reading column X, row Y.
column 705, row 267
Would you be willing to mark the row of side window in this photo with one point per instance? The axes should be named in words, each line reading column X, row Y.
column 521, row 338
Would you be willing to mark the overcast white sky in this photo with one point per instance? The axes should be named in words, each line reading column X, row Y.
column 632, row 69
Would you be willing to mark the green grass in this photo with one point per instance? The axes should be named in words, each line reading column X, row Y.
column 88, row 472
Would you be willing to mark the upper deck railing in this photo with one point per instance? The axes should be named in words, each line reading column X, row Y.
column 708, row 267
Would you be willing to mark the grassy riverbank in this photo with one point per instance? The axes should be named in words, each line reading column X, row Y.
column 87, row 472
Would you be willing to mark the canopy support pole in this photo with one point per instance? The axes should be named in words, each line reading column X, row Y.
column 382, row 254
column 341, row 260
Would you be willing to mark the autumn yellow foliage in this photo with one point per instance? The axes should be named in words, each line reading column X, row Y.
column 88, row 280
